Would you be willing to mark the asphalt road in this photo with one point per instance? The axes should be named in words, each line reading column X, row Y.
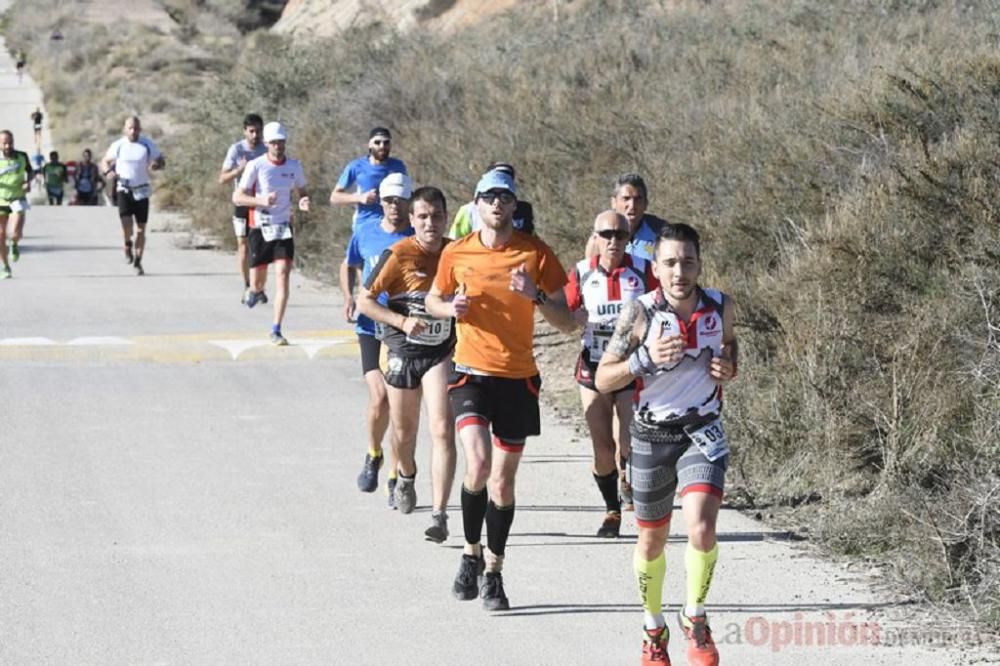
column 175, row 491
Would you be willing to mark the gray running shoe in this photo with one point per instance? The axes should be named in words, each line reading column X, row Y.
column 278, row 340
column 5, row 274
column 492, row 594
column 368, row 479
column 406, row 496
column 390, row 490
column 438, row 531
column 468, row 578
column 138, row 268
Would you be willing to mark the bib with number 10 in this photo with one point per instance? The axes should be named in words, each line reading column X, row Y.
column 436, row 331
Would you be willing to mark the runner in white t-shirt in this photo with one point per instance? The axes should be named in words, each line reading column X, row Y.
column 250, row 147
column 131, row 158
column 266, row 188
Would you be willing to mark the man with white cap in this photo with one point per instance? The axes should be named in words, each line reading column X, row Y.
column 266, row 189
column 131, row 158
column 363, row 253
column 358, row 184
column 491, row 281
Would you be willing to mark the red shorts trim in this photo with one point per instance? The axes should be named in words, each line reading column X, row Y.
column 471, row 421
column 513, row 447
column 653, row 523
column 702, row 488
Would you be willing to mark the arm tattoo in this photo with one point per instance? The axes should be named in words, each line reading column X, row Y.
column 623, row 340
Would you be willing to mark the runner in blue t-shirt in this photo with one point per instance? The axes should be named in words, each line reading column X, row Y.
column 363, row 254
column 358, row 184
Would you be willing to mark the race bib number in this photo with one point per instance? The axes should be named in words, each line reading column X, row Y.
column 599, row 340
column 141, row 192
column 710, row 439
column 272, row 230
column 19, row 205
column 436, row 331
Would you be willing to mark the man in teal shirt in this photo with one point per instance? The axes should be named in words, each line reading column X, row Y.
column 14, row 176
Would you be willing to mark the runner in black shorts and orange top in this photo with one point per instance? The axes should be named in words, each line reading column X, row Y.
column 419, row 353
column 597, row 289
column 678, row 343
column 491, row 281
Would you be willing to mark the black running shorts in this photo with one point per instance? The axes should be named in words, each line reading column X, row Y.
column 509, row 405
column 129, row 207
column 264, row 252
column 406, row 373
column 371, row 349
column 658, row 470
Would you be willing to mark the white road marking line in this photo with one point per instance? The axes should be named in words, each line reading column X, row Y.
column 82, row 342
column 312, row 346
column 27, row 342
column 237, row 347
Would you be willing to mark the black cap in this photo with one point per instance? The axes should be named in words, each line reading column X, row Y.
column 379, row 131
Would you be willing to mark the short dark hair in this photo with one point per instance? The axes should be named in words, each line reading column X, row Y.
column 431, row 195
column 678, row 232
column 253, row 120
column 54, row 155
column 380, row 131
column 633, row 179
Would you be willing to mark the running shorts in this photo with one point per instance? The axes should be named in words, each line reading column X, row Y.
column 407, row 372
column 264, row 252
column 129, row 207
column 586, row 375
column 240, row 214
column 659, row 469
column 371, row 349
column 510, row 406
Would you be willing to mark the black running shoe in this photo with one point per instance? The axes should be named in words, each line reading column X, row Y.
column 368, row 479
column 611, row 527
column 129, row 257
column 492, row 594
column 469, row 577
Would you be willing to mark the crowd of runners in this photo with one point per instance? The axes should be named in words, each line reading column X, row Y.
column 445, row 315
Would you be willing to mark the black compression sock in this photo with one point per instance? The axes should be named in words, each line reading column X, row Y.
column 473, row 513
column 498, row 522
column 608, row 485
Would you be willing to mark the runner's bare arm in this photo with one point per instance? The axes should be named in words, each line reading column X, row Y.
column 723, row 367
column 340, row 195
column 614, row 371
column 557, row 312
column 243, row 198
column 369, row 306
column 227, row 175
column 442, row 308
column 348, row 278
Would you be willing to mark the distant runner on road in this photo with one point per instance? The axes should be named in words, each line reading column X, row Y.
column 87, row 181
column 678, row 342
column 364, row 251
column 56, row 176
column 130, row 159
column 268, row 187
column 36, row 121
column 598, row 289
column 249, row 148
column 15, row 181
column 491, row 281
column 22, row 60
column 419, row 357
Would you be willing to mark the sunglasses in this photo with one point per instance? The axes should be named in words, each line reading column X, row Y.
column 617, row 234
column 504, row 197
column 393, row 201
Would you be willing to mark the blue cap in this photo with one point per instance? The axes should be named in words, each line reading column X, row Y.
column 496, row 180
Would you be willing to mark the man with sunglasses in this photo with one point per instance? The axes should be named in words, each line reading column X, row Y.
column 358, row 184
column 467, row 218
column 364, row 251
column 419, row 357
column 678, row 343
column 598, row 288
column 491, row 281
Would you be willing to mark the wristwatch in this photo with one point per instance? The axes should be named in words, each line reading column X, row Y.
column 540, row 297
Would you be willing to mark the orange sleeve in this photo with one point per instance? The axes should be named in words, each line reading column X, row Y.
column 383, row 276
column 552, row 274
column 444, row 278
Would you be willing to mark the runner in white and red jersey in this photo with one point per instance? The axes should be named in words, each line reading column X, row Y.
column 598, row 288
column 266, row 188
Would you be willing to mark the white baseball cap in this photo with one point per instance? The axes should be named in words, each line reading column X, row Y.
column 274, row 131
column 395, row 185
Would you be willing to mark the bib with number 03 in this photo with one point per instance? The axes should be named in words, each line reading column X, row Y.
column 436, row 331
column 19, row 205
column 710, row 439
column 141, row 192
column 271, row 230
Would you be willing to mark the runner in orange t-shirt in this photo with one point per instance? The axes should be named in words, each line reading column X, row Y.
column 491, row 281
column 419, row 353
